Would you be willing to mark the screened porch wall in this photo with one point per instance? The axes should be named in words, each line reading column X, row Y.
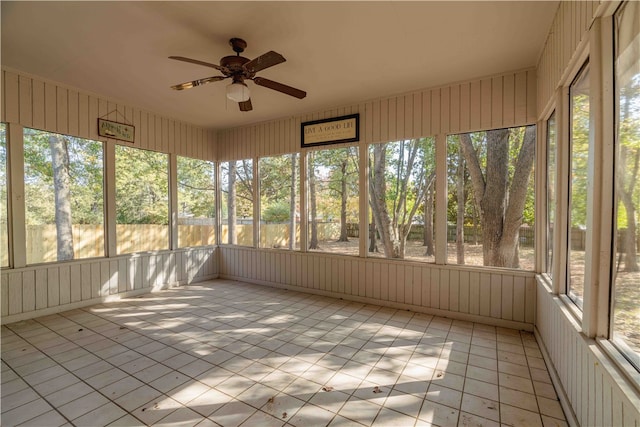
column 493, row 296
column 593, row 390
column 30, row 291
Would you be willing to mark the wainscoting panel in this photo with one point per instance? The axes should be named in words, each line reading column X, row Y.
column 594, row 390
column 49, row 288
column 498, row 297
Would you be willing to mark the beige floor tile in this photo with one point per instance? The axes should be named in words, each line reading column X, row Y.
column 550, row 407
column 407, row 404
column 156, row 409
column 237, row 363
column 182, row 417
column 471, row 420
column 233, row 413
column 14, row 400
column 137, row 397
column 512, row 416
column 482, row 389
column 105, row 414
column 82, row 405
column 481, row 407
column 437, row 414
column 48, row 419
column 444, row 396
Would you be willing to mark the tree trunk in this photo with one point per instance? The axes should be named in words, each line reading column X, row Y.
column 313, row 242
column 460, row 211
column 501, row 206
column 373, row 245
column 62, row 190
column 292, row 210
column 428, row 220
column 388, row 236
column 231, row 204
column 343, row 201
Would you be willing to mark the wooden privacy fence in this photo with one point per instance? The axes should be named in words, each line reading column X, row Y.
column 88, row 239
column 471, row 233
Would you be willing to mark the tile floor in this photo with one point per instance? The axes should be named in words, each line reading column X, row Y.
column 230, row 353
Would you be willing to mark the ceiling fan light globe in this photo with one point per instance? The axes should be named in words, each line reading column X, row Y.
column 238, row 92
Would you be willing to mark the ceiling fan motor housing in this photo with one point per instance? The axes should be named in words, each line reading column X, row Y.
column 238, row 45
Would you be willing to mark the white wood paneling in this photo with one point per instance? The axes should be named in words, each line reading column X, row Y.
column 498, row 101
column 568, row 30
column 590, row 386
column 465, row 293
column 48, row 106
column 49, row 288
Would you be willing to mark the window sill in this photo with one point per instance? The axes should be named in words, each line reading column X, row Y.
column 629, row 373
column 572, row 308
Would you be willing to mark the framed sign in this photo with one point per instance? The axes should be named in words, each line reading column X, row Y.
column 115, row 130
column 331, row 131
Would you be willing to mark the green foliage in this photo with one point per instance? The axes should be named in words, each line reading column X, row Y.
column 275, row 187
column 196, row 188
column 331, row 167
column 85, row 173
column 277, row 212
column 142, row 186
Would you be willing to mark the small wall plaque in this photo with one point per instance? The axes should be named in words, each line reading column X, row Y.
column 331, row 131
column 115, row 130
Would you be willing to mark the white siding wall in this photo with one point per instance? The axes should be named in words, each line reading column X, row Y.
column 36, row 290
column 594, row 390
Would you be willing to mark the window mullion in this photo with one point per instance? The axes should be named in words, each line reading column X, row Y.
column 15, row 154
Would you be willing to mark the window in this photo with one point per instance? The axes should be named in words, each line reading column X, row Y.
column 333, row 200
column 579, row 142
column 401, row 199
column 142, row 200
column 63, row 179
column 237, row 202
column 279, row 202
column 552, row 144
column 626, row 275
column 490, row 211
column 196, row 202
column 4, row 207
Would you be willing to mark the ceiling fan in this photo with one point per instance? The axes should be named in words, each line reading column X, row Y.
column 239, row 69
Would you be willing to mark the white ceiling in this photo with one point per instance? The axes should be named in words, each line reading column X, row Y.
column 339, row 52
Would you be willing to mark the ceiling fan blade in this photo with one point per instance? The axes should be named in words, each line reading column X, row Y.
column 195, row 61
column 194, row 83
column 267, row 60
column 280, row 87
column 246, row 105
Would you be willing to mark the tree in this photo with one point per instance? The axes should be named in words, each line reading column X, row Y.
column 460, row 195
column 292, row 201
column 63, row 186
column 627, row 167
column 231, row 203
column 313, row 202
column 397, row 187
column 500, row 194
column 62, row 192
